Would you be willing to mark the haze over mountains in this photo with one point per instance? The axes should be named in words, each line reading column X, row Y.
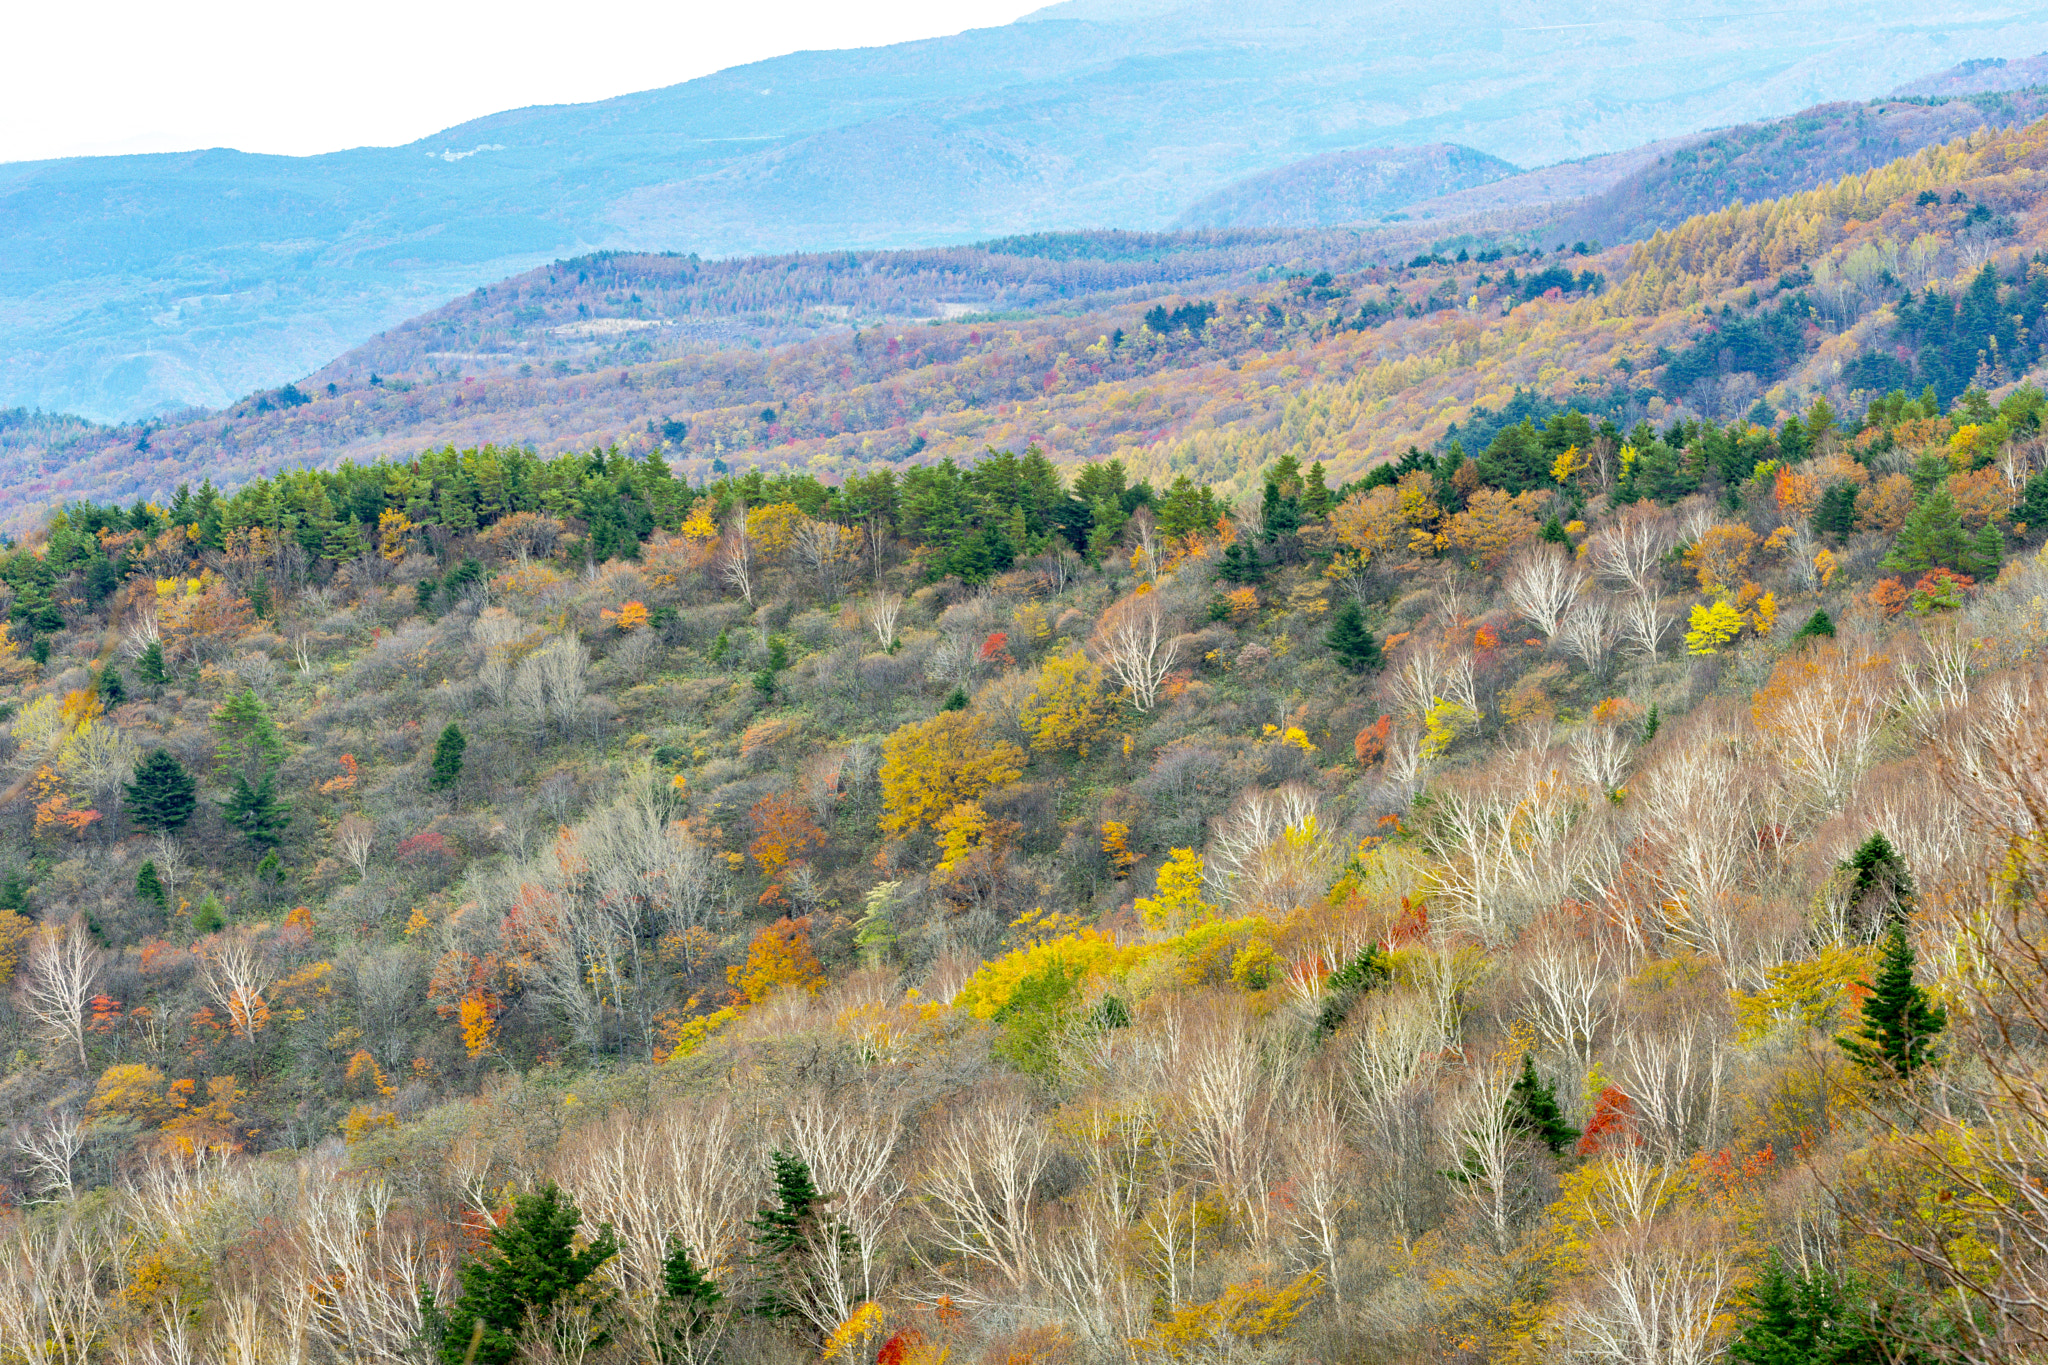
column 134, row 285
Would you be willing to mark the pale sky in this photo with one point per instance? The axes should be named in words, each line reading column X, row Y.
column 148, row 76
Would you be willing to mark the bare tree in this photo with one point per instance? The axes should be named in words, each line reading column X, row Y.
column 354, row 838
column 366, row 1270
column 1629, row 550
column 58, row 980
column 48, row 1148
column 883, row 609
column 1543, row 584
column 1135, row 641
column 736, row 556
column 1644, row 621
column 1320, row 1167
column 979, row 1182
column 1588, row 631
column 827, row 549
column 1483, row 1136
column 850, row 1142
column 51, row 1312
column 236, row 976
column 171, row 866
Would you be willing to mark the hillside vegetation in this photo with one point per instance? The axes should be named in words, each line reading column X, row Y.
column 1570, row 892
column 1353, row 363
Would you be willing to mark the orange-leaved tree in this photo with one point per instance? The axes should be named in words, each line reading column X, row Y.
column 779, row 958
column 931, row 766
column 783, row 832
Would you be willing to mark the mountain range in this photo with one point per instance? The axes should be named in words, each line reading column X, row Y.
column 138, row 285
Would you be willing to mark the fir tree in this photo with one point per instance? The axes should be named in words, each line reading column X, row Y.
column 254, row 810
column 1788, row 1318
column 1554, row 532
column 113, row 691
column 259, row 597
column 1879, row 890
column 423, row 595
column 1240, row 564
column 1350, row 641
column 149, row 666
column 532, row 1265
column 1835, row 514
column 1650, row 724
column 1818, row 626
column 1985, row 555
column 162, row 795
column 1533, row 1110
column 1932, row 537
column 689, row 1309
column 448, row 751
column 210, row 917
column 2032, row 509
column 721, row 646
column 784, row 1235
column 1899, row 1025
column 149, row 887
column 249, row 742
column 956, row 700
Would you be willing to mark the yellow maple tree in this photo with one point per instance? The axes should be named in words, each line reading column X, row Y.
column 931, row 766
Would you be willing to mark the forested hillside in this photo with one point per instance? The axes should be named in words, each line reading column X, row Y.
column 1569, row 891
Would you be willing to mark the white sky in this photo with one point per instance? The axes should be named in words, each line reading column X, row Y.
column 149, row 76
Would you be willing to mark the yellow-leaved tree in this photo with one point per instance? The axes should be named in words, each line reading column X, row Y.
column 931, row 766
column 1712, row 627
column 1070, row 706
column 1178, row 904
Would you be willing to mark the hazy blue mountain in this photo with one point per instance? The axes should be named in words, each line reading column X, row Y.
column 144, row 283
column 1345, row 187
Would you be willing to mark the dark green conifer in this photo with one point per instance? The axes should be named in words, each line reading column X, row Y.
column 1533, row 1109
column 149, row 887
column 1899, row 1024
column 149, row 665
column 784, row 1236
column 532, row 1265
column 259, row 597
column 1819, row 626
column 210, row 917
column 112, row 689
column 1240, row 564
column 448, row 751
column 1350, row 641
column 956, row 700
column 161, row 795
column 1932, row 537
column 254, row 810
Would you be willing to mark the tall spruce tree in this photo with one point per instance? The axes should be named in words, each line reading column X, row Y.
column 253, row 809
column 1932, row 537
column 249, row 743
column 1876, row 888
column 1350, row 641
column 149, row 887
column 688, row 1316
column 448, row 751
column 162, row 795
column 532, row 1265
column 1899, row 1023
column 784, row 1236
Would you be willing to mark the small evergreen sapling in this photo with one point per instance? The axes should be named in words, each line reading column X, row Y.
column 210, row 917
column 254, row 810
column 1819, row 626
column 149, row 887
column 149, row 666
column 1533, row 1110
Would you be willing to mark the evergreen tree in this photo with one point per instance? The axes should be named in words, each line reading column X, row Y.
column 1650, row 724
column 448, row 751
column 1350, row 641
column 254, row 810
column 149, row 666
column 210, row 917
column 150, row 888
column 1932, row 537
column 1985, row 554
column 2032, row 510
column 1835, row 514
column 423, row 595
column 1788, row 1319
column 956, row 700
column 1879, row 890
column 688, row 1314
column 249, row 742
column 113, row 691
column 1818, row 626
column 784, row 1235
column 162, row 795
column 532, row 1265
column 1533, row 1109
column 1240, row 564
column 259, row 597
column 1899, row 1025
column 1554, row 532
column 1280, row 515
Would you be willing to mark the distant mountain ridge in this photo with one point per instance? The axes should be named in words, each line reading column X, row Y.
column 134, row 285
column 1345, row 187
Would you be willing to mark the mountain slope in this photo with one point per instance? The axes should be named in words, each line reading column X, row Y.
column 1345, row 187
column 141, row 284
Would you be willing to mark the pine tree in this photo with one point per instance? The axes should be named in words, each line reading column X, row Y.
column 253, row 809
column 1533, row 1109
column 162, row 795
column 1985, row 555
column 783, row 1236
column 1650, row 724
column 112, row 689
column 1240, row 565
column 956, row 700
column 1350, row 641
column 259, row 597
column 149, row 887
column 531, row 1266
column 1818, row 626
column 1932, row 537
column 1781, row 1327
column 149, row 666
column 689, row 1305
column 1899, row 1025
column 1879, row 892
column 2032, row 510
column 249, row 742
column 210, row 916
column 1835, row 514
column 448, row 751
